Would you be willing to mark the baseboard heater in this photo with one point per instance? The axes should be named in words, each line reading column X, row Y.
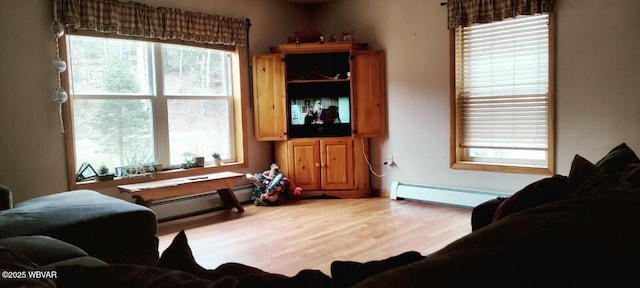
column 442, row 195
column 180, row 207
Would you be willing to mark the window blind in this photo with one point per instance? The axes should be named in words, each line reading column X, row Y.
column 502, row 84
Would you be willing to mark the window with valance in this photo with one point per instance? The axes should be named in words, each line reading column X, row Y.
column 150, row 86
column 502, row 85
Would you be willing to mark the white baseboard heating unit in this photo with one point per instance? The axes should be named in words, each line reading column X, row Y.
column 442, row 195
column 186, row 206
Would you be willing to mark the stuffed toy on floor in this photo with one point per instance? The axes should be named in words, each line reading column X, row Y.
column 272, row 187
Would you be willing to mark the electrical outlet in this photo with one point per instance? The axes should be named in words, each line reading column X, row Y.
column 389, row 161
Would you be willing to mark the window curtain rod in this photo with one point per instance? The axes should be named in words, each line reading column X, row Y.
column 249, row 62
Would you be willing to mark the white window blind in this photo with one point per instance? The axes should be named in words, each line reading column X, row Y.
column 502, row 84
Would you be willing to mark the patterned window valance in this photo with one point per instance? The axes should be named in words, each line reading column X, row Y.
column 141, row 20
column 466, row 12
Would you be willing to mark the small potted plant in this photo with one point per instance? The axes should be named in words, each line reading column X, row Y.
column 188, row 163
column 216, row 158
column 104, row 175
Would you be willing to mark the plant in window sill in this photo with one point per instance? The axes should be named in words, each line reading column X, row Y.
column 188, row 163
column 216, row 159
column 104, row 175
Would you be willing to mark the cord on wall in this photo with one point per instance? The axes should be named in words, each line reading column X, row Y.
column 385, row 168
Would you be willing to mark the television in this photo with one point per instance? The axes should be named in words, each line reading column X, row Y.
column 319, row 109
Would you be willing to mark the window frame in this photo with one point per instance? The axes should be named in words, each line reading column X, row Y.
column 458, row 154
column 239, row 95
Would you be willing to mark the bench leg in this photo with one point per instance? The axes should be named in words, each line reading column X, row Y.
column 230, row 200
column 140, row 201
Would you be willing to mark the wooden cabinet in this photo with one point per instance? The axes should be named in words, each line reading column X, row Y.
column 295, row 69
column 326, row 166
column 320, row 103
column 269, row 97
column 368, row 85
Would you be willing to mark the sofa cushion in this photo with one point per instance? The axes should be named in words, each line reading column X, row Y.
column 578, row 242
column 49, row 214
column 42, row 250
column 177, row 268
column 6, row 197
column 179, row 256
column 15, row 266
column 109, row 228
column 483, row 214
column 537, row 193
column 82, row 260
column 347, row 273
column 128, row 275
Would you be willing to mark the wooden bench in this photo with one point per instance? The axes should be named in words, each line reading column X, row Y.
column 147, row 192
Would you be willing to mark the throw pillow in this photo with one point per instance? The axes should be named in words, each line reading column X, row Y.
column 618, row 158
column 586, row 179
column 581, row 170
column 630, row 176
column 537, row 193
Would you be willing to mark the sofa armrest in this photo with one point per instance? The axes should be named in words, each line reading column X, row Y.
column 6, row 198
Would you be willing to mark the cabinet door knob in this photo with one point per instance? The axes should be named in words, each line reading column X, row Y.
column 318, row 165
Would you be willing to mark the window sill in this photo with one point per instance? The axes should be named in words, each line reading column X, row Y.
column 162, row 175
column 502, row 168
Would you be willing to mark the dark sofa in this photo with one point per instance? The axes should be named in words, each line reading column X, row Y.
column 574, row 231
column 103, row 227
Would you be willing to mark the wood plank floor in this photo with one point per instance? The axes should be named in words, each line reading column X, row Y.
column 310, row 234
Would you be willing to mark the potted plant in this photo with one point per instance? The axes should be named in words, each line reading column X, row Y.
column 104, row 175
column 216, row 158
column 188, row 163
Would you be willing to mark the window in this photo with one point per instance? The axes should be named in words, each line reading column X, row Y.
column 139, row 103
column 503, row 113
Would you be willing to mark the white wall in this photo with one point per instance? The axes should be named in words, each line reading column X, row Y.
column 32, row 151
column 598, row 79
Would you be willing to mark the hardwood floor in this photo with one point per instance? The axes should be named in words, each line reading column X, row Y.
column 310, row 234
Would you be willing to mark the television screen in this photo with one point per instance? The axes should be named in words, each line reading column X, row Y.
column 322, row 111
